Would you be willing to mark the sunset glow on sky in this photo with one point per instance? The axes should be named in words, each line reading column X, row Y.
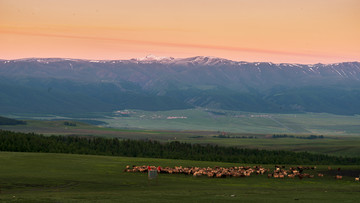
column 307, row 31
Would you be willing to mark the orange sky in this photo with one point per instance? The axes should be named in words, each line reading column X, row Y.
column 306, row 31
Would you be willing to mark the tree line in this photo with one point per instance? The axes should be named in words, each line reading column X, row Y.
column 67, row 123
column 31, row 142
column 310, row 137
column 239, row 137
column 9, row 121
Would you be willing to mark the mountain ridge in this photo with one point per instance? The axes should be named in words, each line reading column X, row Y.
column 153, row 58
column 158, row 83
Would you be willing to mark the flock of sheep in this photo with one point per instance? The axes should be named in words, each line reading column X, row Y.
column 240, row 171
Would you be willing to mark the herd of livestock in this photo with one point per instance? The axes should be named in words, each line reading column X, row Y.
column 240, row 171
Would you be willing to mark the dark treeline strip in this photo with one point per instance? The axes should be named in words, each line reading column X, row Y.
column 30, row 142
column 310, row 137
column 67, row 123
column 9, row 121
column 239, row 137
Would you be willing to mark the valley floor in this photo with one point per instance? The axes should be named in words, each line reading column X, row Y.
column 338, row 145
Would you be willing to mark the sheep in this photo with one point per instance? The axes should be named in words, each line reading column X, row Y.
column 338, row 177
column 237, row 171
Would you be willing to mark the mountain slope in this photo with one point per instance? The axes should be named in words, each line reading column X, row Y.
column 163, row 83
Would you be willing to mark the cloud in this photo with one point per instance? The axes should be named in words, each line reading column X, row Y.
column 163, row 44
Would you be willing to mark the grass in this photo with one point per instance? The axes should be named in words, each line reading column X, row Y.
column 240, row 122
column 222, row 120
column 38, row 177
column 200, row 125
column 338, row 145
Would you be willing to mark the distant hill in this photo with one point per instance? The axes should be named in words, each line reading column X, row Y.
column 9, row 121
column 71, row 86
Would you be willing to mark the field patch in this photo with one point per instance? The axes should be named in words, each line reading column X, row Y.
column 331, row 144
column 216, row 120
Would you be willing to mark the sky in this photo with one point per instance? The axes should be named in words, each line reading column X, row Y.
column 292, row 31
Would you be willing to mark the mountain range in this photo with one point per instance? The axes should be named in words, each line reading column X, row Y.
column 57, row 85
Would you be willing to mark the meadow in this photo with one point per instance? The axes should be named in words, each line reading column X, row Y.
column 237, row 121
column 338, row 144
column 49, row 177
column 39, row 177
column 201, row 119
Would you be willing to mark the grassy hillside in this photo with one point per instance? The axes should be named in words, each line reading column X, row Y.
column 37, row 177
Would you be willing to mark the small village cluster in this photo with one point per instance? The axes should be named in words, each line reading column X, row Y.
column 240, row 171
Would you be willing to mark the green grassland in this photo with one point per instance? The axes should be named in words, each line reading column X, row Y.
column 220, row 120
column 339, row 145
column 238, row 122
column 39, row 177
column 201, row 125
column 57, row 127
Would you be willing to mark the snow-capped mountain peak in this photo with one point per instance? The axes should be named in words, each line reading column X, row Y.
column 152, row 57
column 209, row 60
column 197, row 60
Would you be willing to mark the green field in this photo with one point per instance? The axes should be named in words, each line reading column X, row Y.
column 38, row 177
column 339, row 145
column 220, row 120
column 201, row 125
column 238, row 122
